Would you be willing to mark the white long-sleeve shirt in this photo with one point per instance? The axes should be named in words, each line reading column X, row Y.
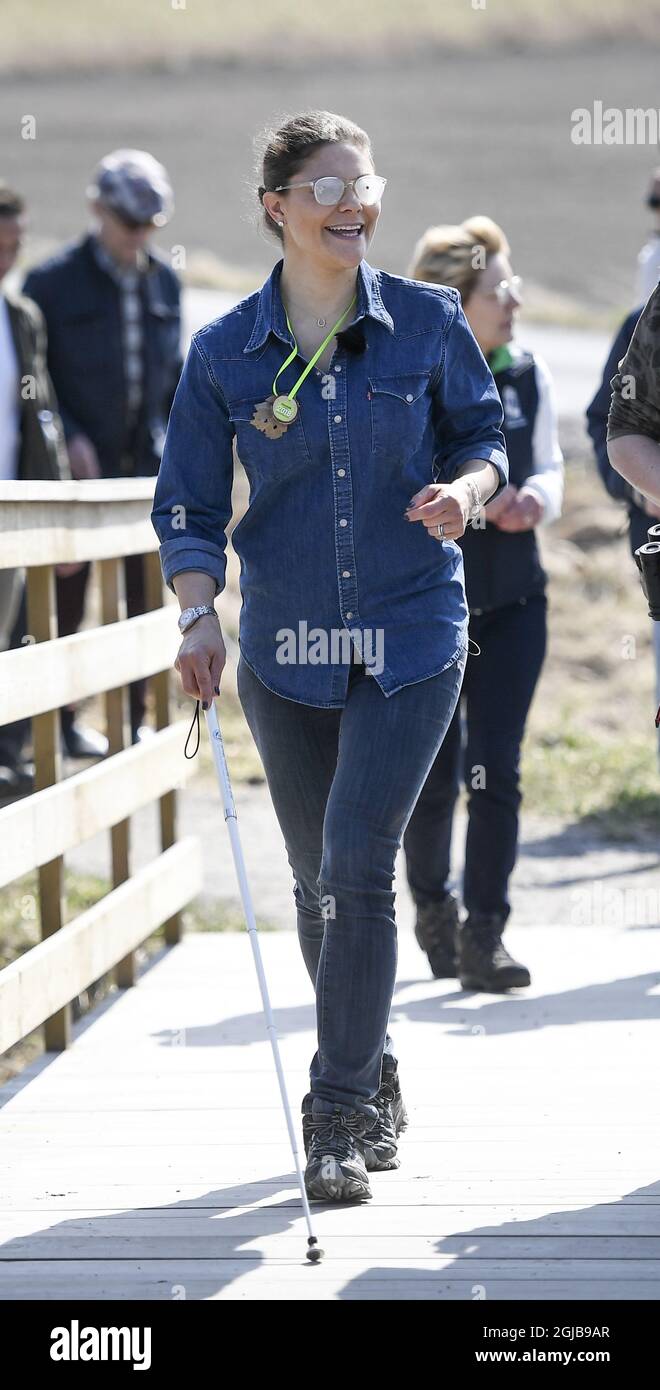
column 547, row 479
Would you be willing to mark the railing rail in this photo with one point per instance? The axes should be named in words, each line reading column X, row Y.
column 43, row 525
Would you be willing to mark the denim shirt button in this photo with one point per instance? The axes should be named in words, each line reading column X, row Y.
column 341, row 472
column 346, row 574
column 349, row 616
column 343, row 522
column 338, row 419
column 337, row 369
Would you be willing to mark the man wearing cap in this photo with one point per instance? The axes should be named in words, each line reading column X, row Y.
column 112, row 309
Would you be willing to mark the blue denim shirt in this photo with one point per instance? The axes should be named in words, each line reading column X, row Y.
column 327, row 556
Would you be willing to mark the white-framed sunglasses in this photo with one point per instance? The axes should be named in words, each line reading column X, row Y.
column 330, row 189
column 506, row 289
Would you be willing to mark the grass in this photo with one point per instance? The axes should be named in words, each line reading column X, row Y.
column 38, row 35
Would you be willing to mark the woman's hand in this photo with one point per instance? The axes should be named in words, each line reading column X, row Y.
column 201, row 659
column 494, row 511
column 83, row 458
column 446, row 504
column 524, row 513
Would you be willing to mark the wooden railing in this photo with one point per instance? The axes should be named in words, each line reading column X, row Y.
column 41, row 525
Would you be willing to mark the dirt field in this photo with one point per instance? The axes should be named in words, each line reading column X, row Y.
column 455, row 133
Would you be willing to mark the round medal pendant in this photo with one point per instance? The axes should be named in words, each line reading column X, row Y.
column 285, row 409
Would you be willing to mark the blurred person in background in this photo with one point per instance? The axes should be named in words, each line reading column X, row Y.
column 648, row 260
column 642, row 512
column 633, row 426
column 505, row 584
column 31, row 447
column 112, row 308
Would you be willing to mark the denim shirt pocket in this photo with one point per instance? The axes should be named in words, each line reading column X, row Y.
column 400, row 412
column 264, row 459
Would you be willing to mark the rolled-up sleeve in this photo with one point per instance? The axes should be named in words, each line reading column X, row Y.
column 468, row 412
column 192, row 497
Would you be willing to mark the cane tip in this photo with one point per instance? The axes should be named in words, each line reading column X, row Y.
column 314, row 1254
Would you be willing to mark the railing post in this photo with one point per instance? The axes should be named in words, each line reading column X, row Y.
column 46, row 735
column 153, row 590
column 113, row 610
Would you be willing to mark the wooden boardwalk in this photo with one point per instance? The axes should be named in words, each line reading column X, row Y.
column 151, row 1160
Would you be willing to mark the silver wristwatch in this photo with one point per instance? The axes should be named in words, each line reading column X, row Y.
column 190, row 615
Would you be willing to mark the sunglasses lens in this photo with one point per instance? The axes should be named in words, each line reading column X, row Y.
column 369, row 188
column 328, row 190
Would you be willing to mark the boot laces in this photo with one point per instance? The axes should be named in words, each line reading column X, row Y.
column 337, row 1135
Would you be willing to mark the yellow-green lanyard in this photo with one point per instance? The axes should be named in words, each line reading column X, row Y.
column 285, row 408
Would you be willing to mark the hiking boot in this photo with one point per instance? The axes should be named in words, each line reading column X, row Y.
column 336, row 1170
column 436, row 931
column 380, row 1142
column 483, row 962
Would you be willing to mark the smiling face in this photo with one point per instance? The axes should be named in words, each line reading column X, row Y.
column 492, row 322
column 336, row 237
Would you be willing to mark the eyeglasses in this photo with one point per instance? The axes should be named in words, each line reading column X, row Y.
column 330, row 190
column 506, row 289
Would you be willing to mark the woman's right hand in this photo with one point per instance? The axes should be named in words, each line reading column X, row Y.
column 201, row 659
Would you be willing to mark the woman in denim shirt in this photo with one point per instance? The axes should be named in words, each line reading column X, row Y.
column 505, row 584
column 353, row 629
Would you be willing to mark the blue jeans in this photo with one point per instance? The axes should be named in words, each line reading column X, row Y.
column 497, row 694
column 344, row 783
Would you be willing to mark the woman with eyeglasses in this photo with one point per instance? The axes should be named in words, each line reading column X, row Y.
column 369, row 427
column 506, row 592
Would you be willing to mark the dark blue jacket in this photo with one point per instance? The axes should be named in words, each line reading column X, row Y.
column 503, row 567
column 81, row 305
column 597, row 414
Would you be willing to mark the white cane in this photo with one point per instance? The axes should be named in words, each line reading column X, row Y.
column 313, row 1252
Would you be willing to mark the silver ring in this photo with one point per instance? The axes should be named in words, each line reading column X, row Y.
column 441, row 530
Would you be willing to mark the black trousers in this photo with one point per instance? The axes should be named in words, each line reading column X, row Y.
column 496, row 695
column 71, row 593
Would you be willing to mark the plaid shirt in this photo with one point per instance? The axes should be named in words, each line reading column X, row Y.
column 128, row 279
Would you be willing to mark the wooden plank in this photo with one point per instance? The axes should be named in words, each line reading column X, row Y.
column 46, row 733
column 48, row 823
column 154, row 593
column 46, row 523
column 232, row 1280
column 398, row 1191
column 47, row 675
column 113, row 610
column 50, row 974
column 74, row 1242
column 628, row 1230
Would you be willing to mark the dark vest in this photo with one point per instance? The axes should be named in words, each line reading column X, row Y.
column 500, row 566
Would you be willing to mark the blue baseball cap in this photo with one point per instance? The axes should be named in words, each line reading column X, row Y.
column 134, row 185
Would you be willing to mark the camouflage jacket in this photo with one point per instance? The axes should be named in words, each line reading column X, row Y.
column 635, row 407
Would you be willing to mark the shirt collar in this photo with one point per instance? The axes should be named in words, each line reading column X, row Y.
column 120, row 273
column 271, row 317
